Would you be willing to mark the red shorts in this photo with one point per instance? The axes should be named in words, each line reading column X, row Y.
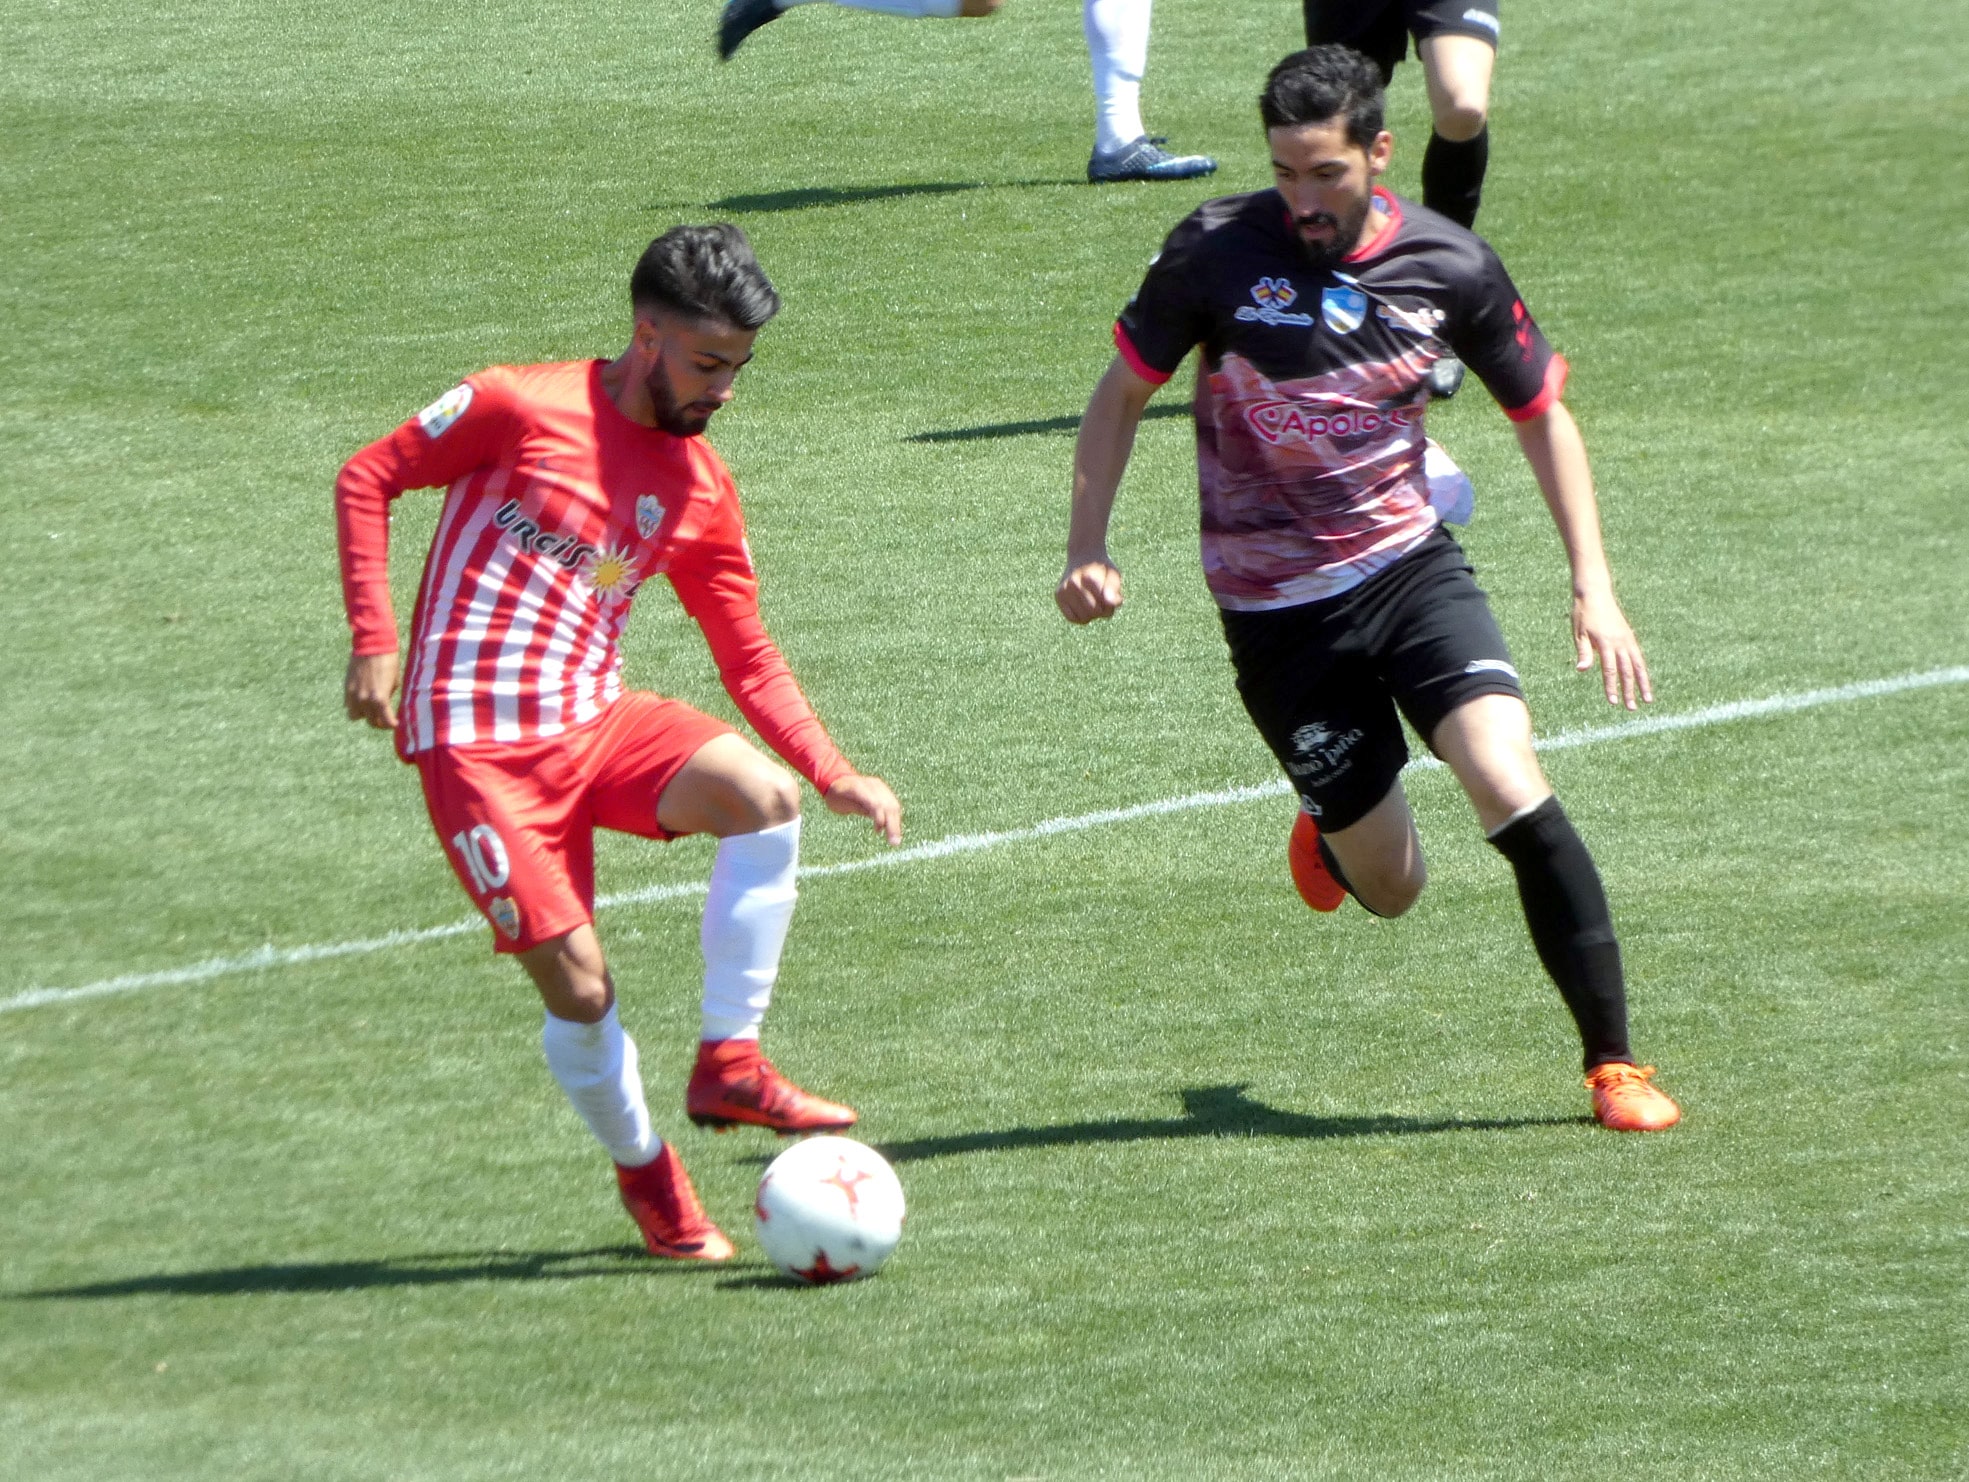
column 518, row 820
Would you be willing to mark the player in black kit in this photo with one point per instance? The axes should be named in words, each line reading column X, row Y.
column 1457, row 43
column 1320, row 306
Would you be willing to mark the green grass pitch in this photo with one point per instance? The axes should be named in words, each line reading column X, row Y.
column 1201, row 1186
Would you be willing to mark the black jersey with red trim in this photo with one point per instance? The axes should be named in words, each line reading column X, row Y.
column 1312, row 389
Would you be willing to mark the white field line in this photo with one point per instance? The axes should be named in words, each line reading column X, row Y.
column 269, row 956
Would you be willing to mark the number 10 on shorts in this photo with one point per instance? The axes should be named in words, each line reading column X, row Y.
column 484, row 853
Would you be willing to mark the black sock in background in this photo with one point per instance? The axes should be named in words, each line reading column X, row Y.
column 1453, row 175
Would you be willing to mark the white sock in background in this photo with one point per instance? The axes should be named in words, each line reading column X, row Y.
column 1118, row 45
column 918, row 8
column 596, row 1065
column 746, row 914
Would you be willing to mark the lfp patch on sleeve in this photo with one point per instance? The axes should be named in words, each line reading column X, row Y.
column 448, row 408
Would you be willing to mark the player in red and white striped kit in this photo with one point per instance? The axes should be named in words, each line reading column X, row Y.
column 569, row 485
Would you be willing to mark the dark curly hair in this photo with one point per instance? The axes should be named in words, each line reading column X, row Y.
column 705, row 272
column 1324, row 82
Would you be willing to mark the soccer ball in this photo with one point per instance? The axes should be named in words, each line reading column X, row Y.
column 829, row 1209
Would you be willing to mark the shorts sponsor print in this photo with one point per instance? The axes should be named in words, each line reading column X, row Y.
column 1327, row 682
column 517, row 821
column 1321, row 754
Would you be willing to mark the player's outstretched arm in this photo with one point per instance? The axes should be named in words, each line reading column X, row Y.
column 466, row 428
column 1600, row 630
column 368, row 482
column 1090, row 588
column 871, row 798
column 369, row 690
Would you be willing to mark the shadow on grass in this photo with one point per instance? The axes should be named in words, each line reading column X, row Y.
column 1208, row 1111
column 771, row 1280
column 808, row 197
column 1040, row 427
column 440, row 1269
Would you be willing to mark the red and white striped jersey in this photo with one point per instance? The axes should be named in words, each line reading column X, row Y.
column 558, row 508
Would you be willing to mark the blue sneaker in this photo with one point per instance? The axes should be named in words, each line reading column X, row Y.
column 1144, row 159
column 739, row 20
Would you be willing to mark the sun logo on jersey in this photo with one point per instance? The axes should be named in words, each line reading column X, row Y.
column 612, row 574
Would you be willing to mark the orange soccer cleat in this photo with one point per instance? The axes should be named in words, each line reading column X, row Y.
column 661, row 1201
column 1624, row 1101
column 1317, row 887
column 734, row 1083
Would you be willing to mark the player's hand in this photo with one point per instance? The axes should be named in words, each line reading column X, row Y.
column 369, row 691
column 871, row 798
column 1089, row 591
column 1600, row 630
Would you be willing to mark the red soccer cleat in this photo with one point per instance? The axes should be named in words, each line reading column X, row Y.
column 1317, row 887
column 661, row 1201
column 1624, row 1101
column 734, row 1083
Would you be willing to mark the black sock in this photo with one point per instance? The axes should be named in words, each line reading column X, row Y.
column 1340, row 878
column 1453, row 175
column 1570, row 925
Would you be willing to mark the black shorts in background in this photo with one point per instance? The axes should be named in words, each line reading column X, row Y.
column 1321, row 680
column 1380, row 28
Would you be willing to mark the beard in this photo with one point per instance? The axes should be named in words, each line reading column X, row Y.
column 1346, row 235
column 678, row 418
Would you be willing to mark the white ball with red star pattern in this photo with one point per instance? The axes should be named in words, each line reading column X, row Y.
column 829, row 1209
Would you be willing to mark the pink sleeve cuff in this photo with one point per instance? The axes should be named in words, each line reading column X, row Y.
column 1555, row 382
column 1134, row 358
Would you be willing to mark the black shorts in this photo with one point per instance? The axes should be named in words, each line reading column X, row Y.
column 1322, row 680
column 1381, row 28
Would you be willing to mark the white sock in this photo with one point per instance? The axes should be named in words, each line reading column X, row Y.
column 596, row 1065
column 1118, row 45
column 746, row 916
column 917, row 8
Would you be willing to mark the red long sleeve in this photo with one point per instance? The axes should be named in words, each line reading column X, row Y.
column 716, row 584
column 475, row 427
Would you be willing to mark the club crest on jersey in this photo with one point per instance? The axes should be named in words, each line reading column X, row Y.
column 448, row 408
column 1273, row 296
column 612, row 574
column 505, row 914
column 649, row 515
column 1343, row 308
